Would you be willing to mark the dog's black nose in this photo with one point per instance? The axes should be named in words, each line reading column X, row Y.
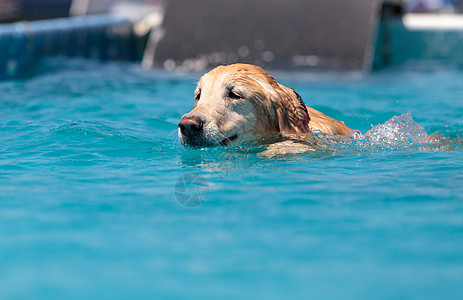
column 190, row 126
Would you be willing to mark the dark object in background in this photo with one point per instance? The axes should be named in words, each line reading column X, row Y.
column 16, row 10
column 308, row 33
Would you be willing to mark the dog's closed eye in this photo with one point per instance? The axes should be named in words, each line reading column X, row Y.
column 198, row 95
column 234, row 95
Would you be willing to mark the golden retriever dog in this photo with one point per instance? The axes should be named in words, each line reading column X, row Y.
column 242, row 103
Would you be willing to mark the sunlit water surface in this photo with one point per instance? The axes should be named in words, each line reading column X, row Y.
column 99, row 200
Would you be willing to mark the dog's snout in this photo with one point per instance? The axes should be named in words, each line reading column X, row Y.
column 190, row 126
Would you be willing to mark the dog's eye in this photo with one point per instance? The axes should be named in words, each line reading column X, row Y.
column 197, row 96
column 233, row 95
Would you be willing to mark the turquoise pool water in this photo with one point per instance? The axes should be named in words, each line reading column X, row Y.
column 92, row 184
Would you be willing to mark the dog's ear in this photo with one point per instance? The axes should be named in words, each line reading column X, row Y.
column 291, row 111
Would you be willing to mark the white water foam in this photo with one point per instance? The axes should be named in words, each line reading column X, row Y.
column 402, row 129
column 398, row 133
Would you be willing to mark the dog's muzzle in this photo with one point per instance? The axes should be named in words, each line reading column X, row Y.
column 191, row 129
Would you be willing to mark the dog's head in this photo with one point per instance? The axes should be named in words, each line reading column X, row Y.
column 241, row 103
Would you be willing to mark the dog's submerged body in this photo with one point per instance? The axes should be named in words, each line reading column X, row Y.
column 242, row 103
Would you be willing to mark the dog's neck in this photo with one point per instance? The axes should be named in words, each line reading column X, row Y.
column 325, row 124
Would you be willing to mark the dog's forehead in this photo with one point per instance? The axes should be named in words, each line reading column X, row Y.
column 236, row 73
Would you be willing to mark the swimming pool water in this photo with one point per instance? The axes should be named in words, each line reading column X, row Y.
column 92, row 181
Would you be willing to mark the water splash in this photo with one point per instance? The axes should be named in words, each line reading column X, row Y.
column 399, row 129
column 398, row 133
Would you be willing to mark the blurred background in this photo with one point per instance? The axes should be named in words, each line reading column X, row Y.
column 16, row 10
column 199, row 34
column 433, row 6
